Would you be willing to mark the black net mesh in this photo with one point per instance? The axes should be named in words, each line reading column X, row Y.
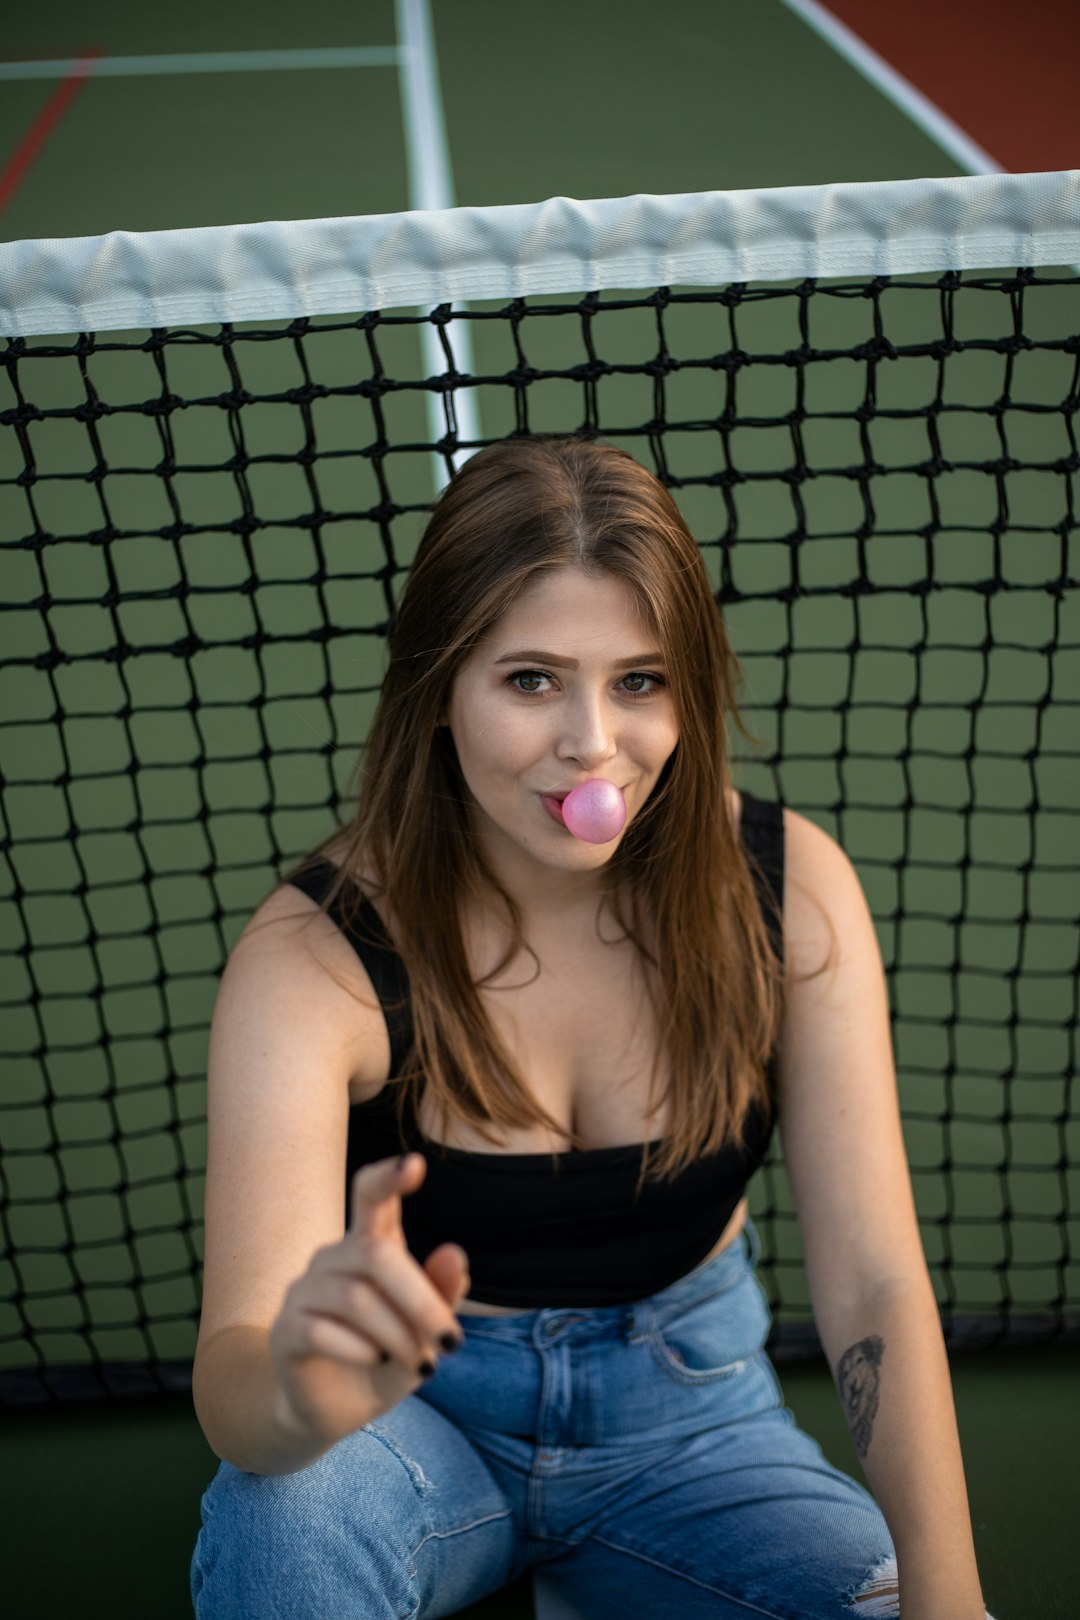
column 203, row 535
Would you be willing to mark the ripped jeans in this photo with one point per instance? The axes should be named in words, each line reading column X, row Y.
column 641, row 1455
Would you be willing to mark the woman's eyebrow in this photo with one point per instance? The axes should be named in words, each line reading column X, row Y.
column 572, row 663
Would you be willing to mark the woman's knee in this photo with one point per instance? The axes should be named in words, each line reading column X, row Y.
column 336, row 1538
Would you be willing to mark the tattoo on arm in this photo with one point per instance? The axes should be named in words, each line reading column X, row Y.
column 857, row 1379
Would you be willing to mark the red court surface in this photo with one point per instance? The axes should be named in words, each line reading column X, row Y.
column 1007, row 74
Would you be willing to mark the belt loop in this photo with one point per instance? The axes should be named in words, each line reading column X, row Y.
column 638, row 1322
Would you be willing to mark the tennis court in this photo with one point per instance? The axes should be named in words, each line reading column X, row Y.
column 585, row 101
column 146, row 123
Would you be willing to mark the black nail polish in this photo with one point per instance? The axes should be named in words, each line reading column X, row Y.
column 426, row 1368
column 451, row 1342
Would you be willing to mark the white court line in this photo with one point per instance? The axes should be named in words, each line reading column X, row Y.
column 205, row 62
column 431, row 186
column 900, row 91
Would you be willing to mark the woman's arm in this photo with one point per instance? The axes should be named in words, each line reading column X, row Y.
column 307, row 1331
column 277, row 1103
column 889, row 1363
column 873, row 1299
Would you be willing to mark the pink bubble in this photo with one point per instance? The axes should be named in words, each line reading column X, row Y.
column 595, row 812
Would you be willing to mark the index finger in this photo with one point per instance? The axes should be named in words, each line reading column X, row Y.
column 376, row 1194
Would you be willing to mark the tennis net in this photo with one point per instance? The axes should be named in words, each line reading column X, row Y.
column 219, row 451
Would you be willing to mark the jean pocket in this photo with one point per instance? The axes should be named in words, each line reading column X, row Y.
column 714, row 1338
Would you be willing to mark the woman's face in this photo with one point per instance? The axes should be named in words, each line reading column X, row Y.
column 567, row 686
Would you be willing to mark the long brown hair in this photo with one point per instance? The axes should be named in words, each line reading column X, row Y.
column 680, row 875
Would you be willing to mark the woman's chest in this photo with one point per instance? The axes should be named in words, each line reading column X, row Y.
column 580, row 1029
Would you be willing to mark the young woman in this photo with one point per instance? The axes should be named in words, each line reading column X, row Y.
column 485, row 1096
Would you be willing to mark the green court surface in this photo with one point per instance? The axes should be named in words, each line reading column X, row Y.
column 587, row 100
column 592, row 100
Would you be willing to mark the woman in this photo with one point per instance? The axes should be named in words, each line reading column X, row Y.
column 538, row 1341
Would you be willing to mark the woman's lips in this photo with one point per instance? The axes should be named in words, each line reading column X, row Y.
column 552, row 803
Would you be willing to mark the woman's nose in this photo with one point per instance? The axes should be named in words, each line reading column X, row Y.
column 587, row 735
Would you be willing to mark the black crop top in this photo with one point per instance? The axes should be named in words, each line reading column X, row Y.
column 544, row 1229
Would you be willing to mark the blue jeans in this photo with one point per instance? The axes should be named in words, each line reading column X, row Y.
column 640, row 1454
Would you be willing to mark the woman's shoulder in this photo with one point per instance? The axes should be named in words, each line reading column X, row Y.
column 812, row 858
column 294, row 917
column 291, row 962
column 814, row 878
column 824, row 903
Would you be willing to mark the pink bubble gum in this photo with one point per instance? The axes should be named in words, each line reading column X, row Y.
column 595, row 812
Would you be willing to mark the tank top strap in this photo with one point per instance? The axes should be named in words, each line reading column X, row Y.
column 366, row 932
column 762, row 834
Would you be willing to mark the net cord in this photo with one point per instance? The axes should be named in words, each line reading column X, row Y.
column 285, row 269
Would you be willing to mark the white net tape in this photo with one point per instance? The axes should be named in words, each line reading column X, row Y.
column 283, row 269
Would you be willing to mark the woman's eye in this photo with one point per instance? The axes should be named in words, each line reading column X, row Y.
column 528, row 680
column 641, row 685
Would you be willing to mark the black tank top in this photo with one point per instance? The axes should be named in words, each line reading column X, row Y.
column 562, row 1229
